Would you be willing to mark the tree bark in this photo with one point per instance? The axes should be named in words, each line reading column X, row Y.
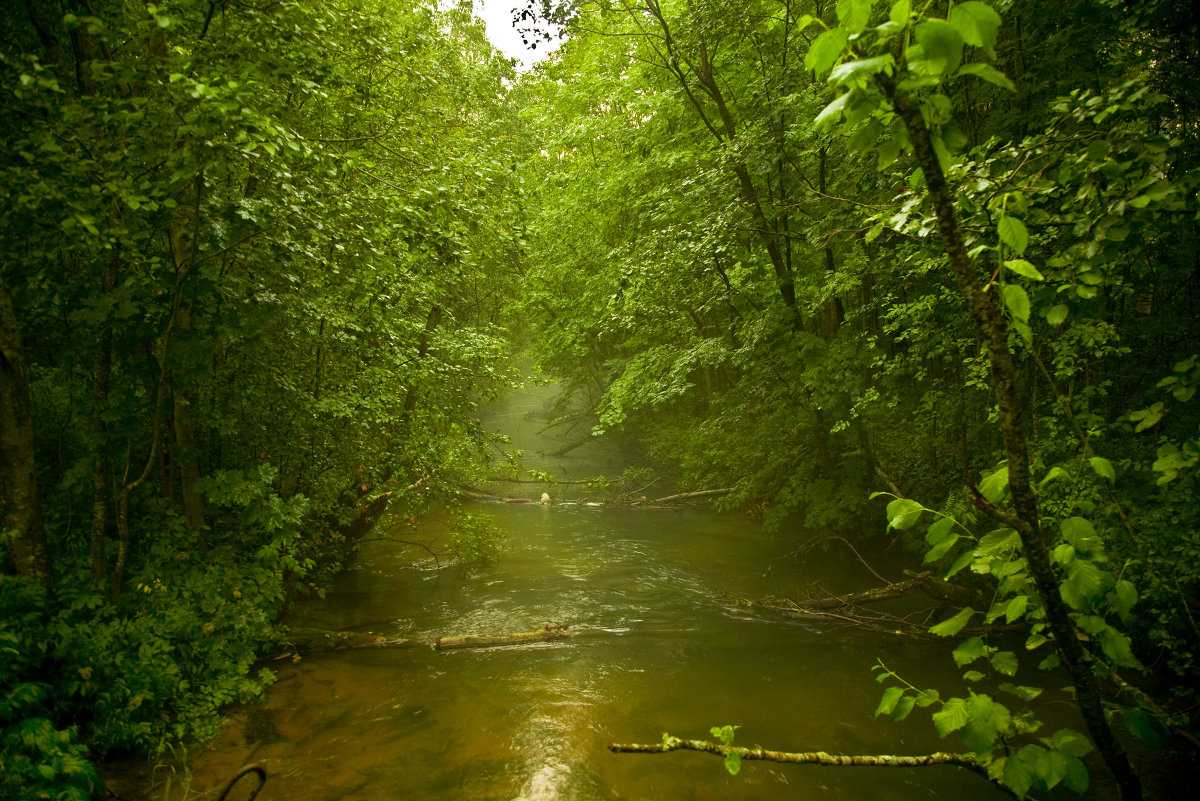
column 102, row 464
column 993, row 330
column 20, row 509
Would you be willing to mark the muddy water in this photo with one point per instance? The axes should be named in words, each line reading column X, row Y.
column 659, row 646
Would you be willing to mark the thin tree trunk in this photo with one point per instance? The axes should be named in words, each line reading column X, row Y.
column 994, row 331
column 20, row 510
column 102, row 467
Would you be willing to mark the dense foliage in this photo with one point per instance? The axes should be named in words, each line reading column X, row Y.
column 254, row 261
column 805, row 249
column 978, row 290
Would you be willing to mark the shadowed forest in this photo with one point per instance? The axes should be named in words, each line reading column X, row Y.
column 920, row 276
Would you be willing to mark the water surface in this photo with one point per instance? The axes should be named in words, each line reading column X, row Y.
column 660, row 645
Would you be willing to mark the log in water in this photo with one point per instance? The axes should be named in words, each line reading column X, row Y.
column 518, row 638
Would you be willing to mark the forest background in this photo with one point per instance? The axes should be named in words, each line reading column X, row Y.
column 263, row 261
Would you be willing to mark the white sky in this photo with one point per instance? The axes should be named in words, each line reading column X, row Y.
column 497, row 14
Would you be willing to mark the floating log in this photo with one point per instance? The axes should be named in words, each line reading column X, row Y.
column 689, row 496
column 486, row 640
column 319, row 641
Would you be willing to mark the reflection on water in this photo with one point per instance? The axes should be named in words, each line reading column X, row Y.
column 658, row 647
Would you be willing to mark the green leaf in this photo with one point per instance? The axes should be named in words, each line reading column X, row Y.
column 977, row 24
column 1017, row 301
column 1103, row 468
column 1016, row 608
column 1081, row 534
column 1013, row 233
column 972, row 675
column 825, row 50
column 969, row 650
column 1051, row 475
column 952, row 626
column 1116, row 647
column 1055, row 315
column 942, row 44
column 952, row 716
column 1022, row 267
column 887, row 704
column 994, row 486
column 1002, row 541
column 1005, row 662
column 854, row 14
column 1025, row 693
column 962, row 561
column 987, row 73
column 733, row 763
column 939, row 530
column 1069, row 741
column 1124, row 597
column 903, row 513
column 988, row 720
column 1051, row 768
column 1083, row 584
column 941, row 549
column 905, row 706
column 832, row 112
column 1019, row 769
column 1141, row 726
column 1077, row 775
column 900, row 12
column 862, row 68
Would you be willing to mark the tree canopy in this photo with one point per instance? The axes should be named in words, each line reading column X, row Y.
column 262, row 263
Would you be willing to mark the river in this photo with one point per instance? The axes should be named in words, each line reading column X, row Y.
column 659, row 645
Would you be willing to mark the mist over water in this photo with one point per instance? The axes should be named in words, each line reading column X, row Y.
column 659, row 645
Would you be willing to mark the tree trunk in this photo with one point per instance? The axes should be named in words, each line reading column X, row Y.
column 20, row 510
column 994, row 331
column 102, row 466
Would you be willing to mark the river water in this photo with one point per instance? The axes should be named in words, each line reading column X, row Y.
column 659, row 645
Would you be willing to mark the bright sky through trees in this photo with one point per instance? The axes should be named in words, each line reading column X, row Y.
column 497, row 14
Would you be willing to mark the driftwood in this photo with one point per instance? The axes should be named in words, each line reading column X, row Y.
column 316, row 641
column 319, row 641
column 487, row 640
column 688, row 496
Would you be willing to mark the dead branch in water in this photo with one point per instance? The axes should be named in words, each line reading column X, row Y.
column 689, row 496
column 670, row 743
column 549, row 632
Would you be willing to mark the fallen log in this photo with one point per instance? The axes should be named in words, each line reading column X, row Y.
column 315, row 641
column 486, row 640
column 689, row 496
column 319, row 641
